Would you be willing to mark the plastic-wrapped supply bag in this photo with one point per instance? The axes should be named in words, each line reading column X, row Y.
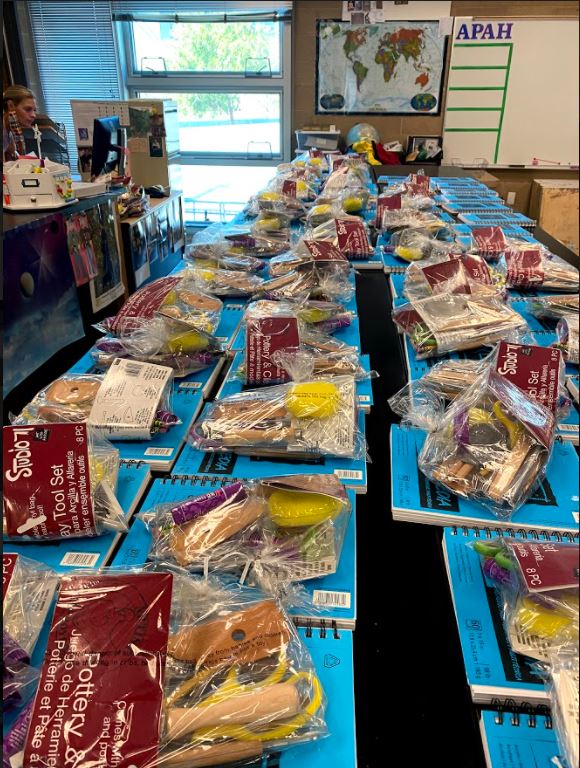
column 310, row 254
column 310, row 281
column 536, row 268
column 494, row 441
column 416, row 244
column 450, row 378
column 350, row 235
column 273, row 201
column 174, row 297
column 452, row 273
column 308, row 418
column 272, row 224
column 298, row 170
column 162, row 341
column 297, row 523
column 223, row 282
column 350, row 173
column 217, row 255
column 72, row 397
column 539, row 585
column 568, row 338
column 28, row 589
column 553, row 307
column 294, row 184
column 563, row 686
column 316, row 316
column 308, row 361
column 314, row 160
column 394, row 219
column 492, row 243
column 455, row 322
column 182, row 672
column 59, row 482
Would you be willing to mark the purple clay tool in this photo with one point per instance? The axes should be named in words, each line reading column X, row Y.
column 201, row 505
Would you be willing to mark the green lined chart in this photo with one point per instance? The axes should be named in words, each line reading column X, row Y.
column 512, row 92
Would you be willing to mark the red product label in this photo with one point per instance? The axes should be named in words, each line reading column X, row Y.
column 315, row 153
column 337, row 163
column 407, row 318
column 100, row 694
column 323, row 250
column 386, row 203
column 289, row 188
column 264, row 336
column 143, row 304
column 448, row 276
column 8, row 565
column 47, row 488
column 476, row 268
column 524, row 269
column 489, row 239
column 299, row 173
column 534, row 370
column 352, row 239
column 547, row 565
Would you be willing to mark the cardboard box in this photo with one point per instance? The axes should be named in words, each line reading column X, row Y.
column 554, row 205
column 515, row 193
column 488, row 179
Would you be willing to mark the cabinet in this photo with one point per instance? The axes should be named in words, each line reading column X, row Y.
column 153, row 243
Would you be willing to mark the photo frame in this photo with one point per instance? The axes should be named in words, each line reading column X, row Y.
column 424, row 149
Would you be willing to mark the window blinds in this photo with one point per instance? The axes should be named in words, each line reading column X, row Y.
column 76, row 54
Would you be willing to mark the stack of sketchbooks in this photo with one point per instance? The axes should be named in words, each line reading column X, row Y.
column 524, row 740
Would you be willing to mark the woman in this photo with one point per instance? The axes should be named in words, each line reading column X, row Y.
column 19, row 112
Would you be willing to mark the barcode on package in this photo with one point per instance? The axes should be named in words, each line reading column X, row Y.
column 133, row 369
column 364, row 398
column 348, row 474
column 331, row 599
column 158, row 451
column 190, row 385
column 76, row 559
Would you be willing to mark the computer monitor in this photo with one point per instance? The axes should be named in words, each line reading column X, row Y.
column 108, row 154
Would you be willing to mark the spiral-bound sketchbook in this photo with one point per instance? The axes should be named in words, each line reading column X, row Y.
column 499, row 219
column 518, row 740
column 392, row 265
column 332, row 598
column 493, row 670
column 162, row 450
column 573, row 384
column 553, row 505
column 233, row 382
column 202, row 381
column 332, row 655
column 96, row 551
column 352, row 472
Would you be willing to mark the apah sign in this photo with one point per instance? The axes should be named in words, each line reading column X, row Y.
column 498, row 30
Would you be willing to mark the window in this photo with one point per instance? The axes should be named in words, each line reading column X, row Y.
column 76, row 55
column 230, row 76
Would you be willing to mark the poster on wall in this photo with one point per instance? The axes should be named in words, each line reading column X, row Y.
column 139, row 256
column 393, row 67
column 362, row 11
column 108, row 284
column 41, row 306
column 81, row 248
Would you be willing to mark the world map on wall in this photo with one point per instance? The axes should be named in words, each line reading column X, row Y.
column 394, row 67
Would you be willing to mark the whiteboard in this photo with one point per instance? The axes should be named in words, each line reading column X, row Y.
column 512, row 92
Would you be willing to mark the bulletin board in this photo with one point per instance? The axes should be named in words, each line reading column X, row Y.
column 512, row 92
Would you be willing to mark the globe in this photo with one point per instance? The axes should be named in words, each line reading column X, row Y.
column 362, row 132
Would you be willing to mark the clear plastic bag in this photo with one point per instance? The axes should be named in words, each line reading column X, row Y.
column 455, row 322
column 71, row 398
column 60, row 483
column 418, row 405
column 310, row 281
column 538, row 581
column 309, row 254
column 349, row 234
column 450, row 378
column 563, row 686
column 296, row 524
column 223, row 282
column 554, row 307
column 173, row 297
column 27, row 596
column 221, row 675
column 450, row 273
column 217, row 255
column 172, row 343
column 309, row 418
column 533, row 268
column 272, row 224
column 410, row 218
column 317, row 316
column 568, row 338
column 415, row 244
column 492, row 445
